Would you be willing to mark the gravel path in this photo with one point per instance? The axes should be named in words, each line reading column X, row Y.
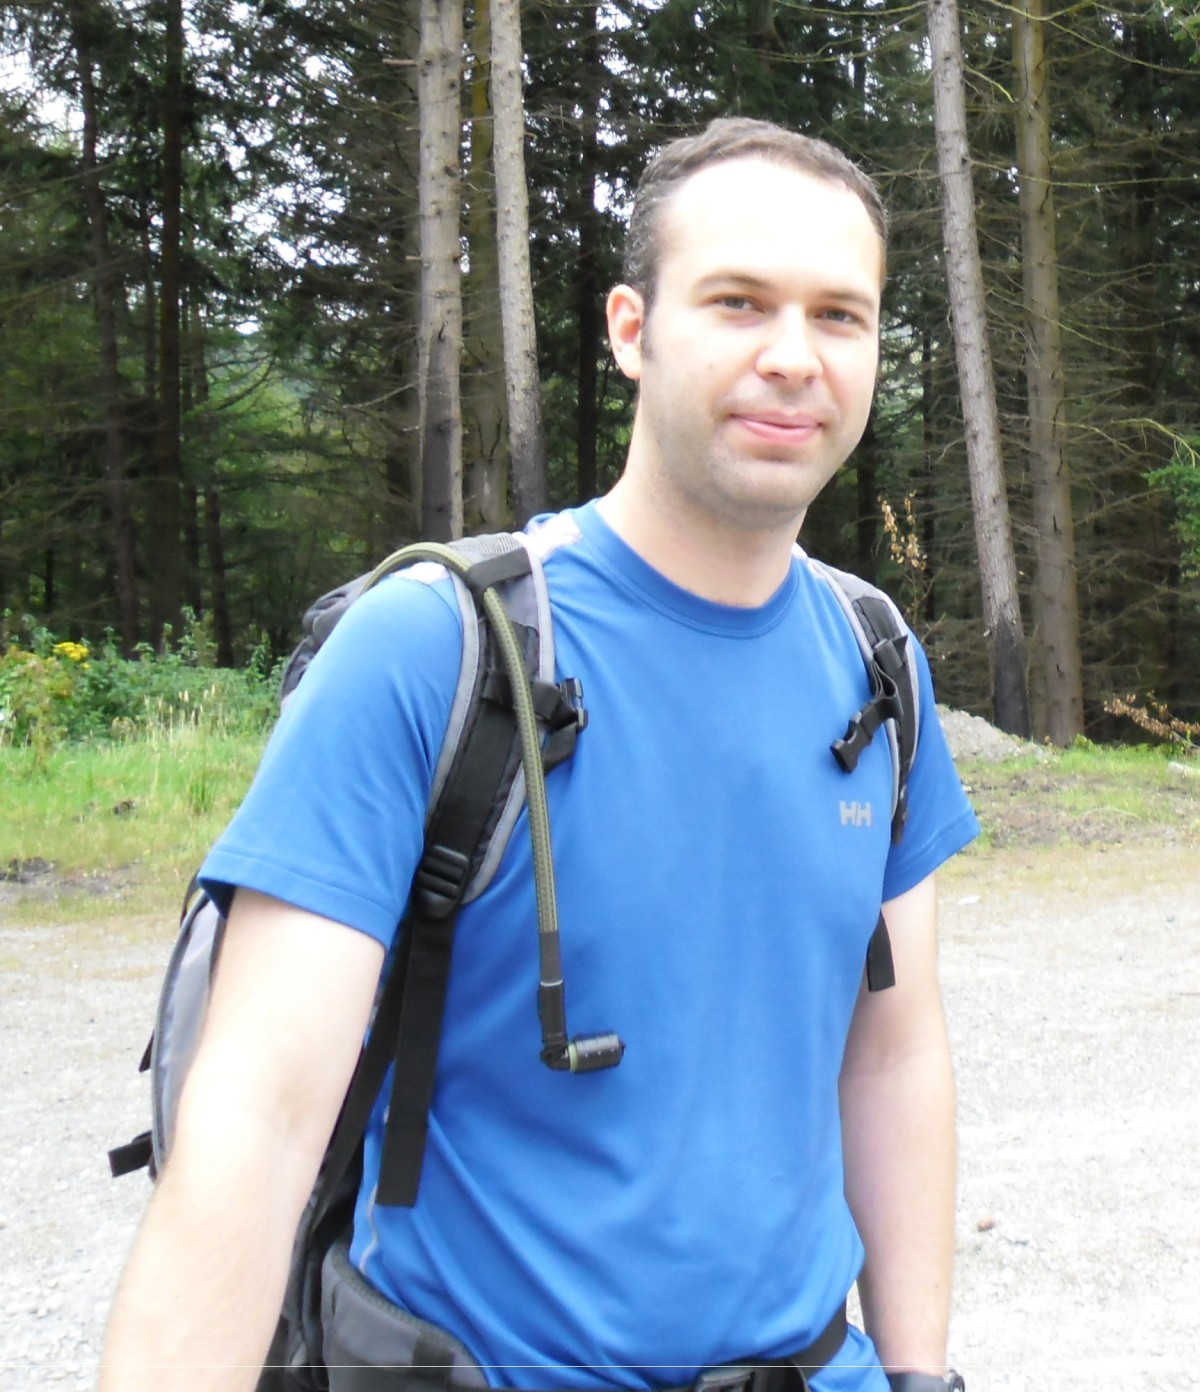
column 1073, row 993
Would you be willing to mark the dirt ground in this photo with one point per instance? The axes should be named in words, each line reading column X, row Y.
column 1071, row 967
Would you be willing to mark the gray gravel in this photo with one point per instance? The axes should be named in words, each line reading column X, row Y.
column 1073, row 995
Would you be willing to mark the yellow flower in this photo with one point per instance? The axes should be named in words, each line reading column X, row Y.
column 75, row 651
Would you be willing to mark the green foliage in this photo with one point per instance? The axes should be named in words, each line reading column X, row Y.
column 1181, row 479
column 299, row 439
column 133, row 817
column 52, row 691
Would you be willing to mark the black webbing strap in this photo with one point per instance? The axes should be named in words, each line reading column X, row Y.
column 133, row 1155
column 881, row 969
column 469, row 804
column 892, row 698
column 365, row 1085
column 465, row 815
column 559, row 707
column 465, row 812
column 417, row 1039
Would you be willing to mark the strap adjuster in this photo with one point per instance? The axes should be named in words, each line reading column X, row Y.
column 440, row 881
column 732, row 1378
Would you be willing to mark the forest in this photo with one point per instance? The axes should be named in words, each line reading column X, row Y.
column 287, row 283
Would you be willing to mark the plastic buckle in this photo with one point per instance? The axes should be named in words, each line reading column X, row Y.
column 572, row 693
column 440, row 880
column 848, row 749
column 735, row 1377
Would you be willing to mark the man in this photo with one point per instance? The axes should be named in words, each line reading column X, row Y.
column 710, row 1199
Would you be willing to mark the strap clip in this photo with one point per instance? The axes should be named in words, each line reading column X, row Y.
column 567, row 718
column 884, row 705
column 440, row 881
column 732, row 1378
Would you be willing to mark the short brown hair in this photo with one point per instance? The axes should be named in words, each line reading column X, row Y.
column 730, row 138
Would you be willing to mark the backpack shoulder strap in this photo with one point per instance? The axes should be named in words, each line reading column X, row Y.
column 895, row 703
column 509, row 721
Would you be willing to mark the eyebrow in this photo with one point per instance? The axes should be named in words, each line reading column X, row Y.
column 744, row 280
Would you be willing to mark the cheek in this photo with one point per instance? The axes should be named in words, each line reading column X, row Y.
column 853, row 376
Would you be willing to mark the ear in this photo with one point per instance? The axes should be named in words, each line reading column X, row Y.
column 626, row 320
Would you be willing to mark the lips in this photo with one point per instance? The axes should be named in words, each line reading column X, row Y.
column 777, row 427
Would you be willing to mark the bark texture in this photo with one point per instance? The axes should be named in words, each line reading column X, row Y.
column 485, row 412
column 1056, row 592
column 166, row 531
column 439, row 72
column 106, row 289
column 522, row 384
column 993, row 526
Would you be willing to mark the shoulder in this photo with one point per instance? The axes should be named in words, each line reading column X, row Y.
column 403, row 627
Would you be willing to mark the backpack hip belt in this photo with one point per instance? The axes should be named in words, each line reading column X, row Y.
column 371, row 1345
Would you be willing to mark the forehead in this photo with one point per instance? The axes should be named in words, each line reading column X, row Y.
column 771, row 220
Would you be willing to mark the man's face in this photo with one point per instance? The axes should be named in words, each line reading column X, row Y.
column 756, row 362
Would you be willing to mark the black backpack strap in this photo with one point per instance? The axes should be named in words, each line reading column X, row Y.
column 894, row 698
column 894, row 705
column 462, row 821
column 510, row 702
column 473, row 784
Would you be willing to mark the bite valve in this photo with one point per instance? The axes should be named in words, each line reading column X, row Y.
column 586, row 1053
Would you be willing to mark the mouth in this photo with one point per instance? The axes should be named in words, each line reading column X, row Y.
column 778, row 427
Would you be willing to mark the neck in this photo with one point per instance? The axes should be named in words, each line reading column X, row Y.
column 708, row 556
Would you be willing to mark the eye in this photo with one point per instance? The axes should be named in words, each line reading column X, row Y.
column 839, row 314
column 736, row 304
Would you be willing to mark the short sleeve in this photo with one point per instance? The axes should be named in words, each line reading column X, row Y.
column 941, row 820
column 334, row 820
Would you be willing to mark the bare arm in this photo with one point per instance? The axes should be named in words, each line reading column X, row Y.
column 198, row 1303
column 897, row 1095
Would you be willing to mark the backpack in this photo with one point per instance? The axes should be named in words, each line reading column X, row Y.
column 510, row 722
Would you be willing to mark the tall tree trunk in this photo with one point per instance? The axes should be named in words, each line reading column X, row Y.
column 588, row 290
column 516, row 282
column 993, row 527
column 1133, row 605
column 189, row 396
column 218, row 587
column 928, row 515
column 105, row 293
column 485, row 423
column 1056, row 590
column 150, row 311
column 214, row 568
column 401, row 455
column 439, row 72
column 166, row 529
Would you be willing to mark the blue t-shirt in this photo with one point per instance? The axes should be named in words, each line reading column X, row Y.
column 719, row 877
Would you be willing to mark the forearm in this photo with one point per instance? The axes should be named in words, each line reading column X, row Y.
column 201, row 1294
column 900, row 1155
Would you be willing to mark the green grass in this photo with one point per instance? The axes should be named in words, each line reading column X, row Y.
column 1088, row 794
column 143, row 811
column 133, row 819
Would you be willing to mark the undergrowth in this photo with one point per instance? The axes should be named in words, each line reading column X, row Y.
column 141, row 811
column 55, row 691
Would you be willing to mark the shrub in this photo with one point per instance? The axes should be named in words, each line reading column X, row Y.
column 53, row 690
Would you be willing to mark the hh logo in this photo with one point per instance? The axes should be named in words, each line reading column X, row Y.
column 856, row 814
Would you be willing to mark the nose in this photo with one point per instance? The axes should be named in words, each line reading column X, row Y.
column 790, row 350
